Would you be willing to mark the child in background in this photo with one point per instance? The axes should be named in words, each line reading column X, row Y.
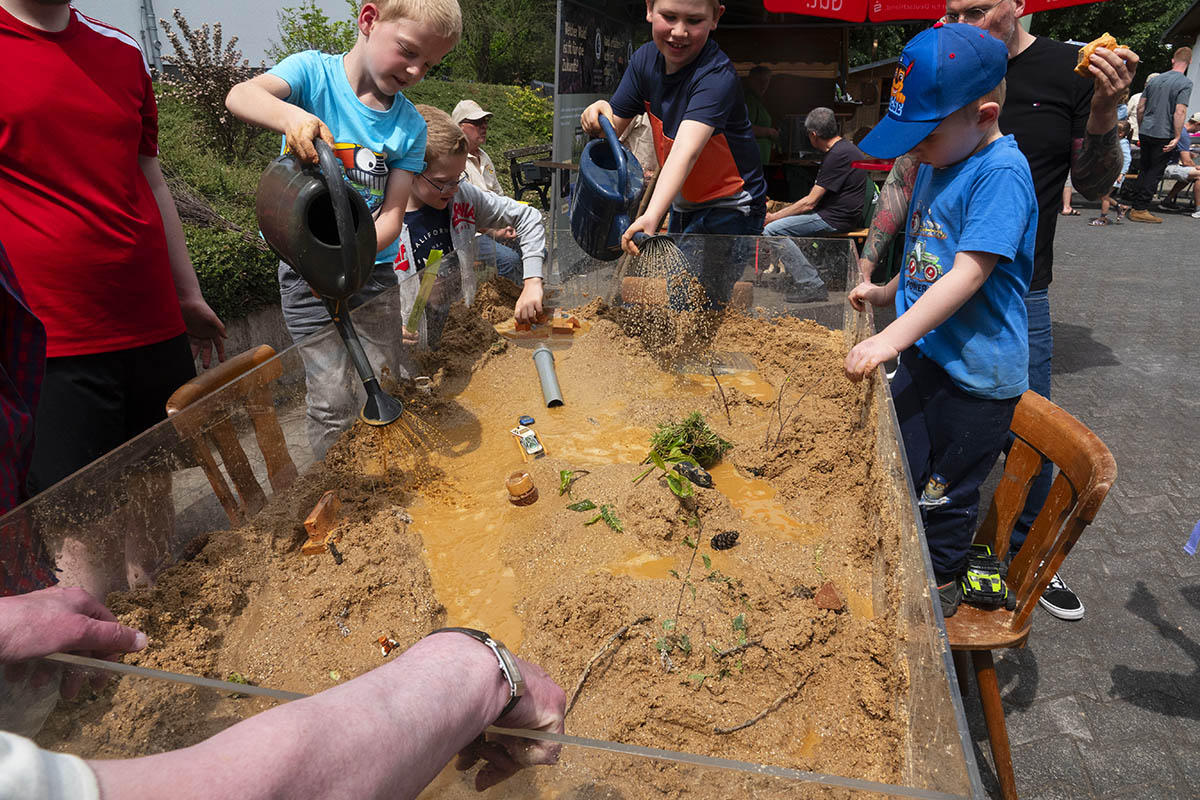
column 968, row 263
column 443, row 213
column 711, row 176
column 352, row 101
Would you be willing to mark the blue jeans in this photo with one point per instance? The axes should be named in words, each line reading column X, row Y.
column 798, row 225
column 719, row 261
column 1041, row 349
column 952, row 439
column 508, row 259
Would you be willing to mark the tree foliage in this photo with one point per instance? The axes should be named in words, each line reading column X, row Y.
column 505, row 41
column 207, row 71
column 306, row 27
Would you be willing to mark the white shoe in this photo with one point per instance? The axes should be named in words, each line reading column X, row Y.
column 1060, row 601
column 1196, row 214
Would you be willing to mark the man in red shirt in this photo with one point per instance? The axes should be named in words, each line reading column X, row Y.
column 97, row 247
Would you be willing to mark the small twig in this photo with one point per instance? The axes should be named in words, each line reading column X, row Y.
column 779, row 398
column 779, row 701
column 588, row 669
column 779, row 435
column 738, row 648
column 713, row 372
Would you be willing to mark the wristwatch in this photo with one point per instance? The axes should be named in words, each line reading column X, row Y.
column 508, row 664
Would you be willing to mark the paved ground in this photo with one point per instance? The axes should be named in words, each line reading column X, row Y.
column 1109, row 706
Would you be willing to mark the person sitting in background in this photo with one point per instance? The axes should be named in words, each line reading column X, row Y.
column 498, row 244
column 835, row 204
column 765, row 132
column 1124, row 131
column 385, row 734
column 429, row 225
column 1182, row 168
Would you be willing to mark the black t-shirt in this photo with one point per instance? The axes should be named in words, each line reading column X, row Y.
column 1046, row 108
column 845, row 187
column 428, row 229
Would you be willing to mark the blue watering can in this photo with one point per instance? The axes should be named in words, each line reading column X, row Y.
column 606, row 195
column 296, row 205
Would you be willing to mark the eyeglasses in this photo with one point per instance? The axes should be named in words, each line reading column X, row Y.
column 443, row 188
column 972, row 16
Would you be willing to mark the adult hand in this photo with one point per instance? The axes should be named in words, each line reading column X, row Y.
column 59, row 620
column 1169, row 146
column 590, row 118
column 204, row 329
column 866, row 268
column 301, row 134
column 773, row 133
column 771, row 217
column 867, row 292
column 1112, row 72
column 866, row 356
column 529, row 304
column 541, row 708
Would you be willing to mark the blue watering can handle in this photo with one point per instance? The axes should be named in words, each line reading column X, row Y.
column 610, row 136
column 331, row 171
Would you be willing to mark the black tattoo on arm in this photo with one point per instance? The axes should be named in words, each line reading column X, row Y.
column 893, row 208
column 1095, row 163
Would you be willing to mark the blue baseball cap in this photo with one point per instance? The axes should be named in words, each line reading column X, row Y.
column 940, row 71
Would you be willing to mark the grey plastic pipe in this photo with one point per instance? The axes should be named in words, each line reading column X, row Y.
column 543, row 359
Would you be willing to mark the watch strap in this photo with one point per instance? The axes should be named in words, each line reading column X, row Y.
column 506, row 660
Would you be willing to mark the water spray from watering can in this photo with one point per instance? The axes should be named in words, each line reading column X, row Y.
column 293, row 205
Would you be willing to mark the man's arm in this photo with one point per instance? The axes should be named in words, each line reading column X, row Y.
column 689, row 141
column 804, row 205
column 1180, row 116
column 1096, row 158
column 890, row 214
column 385, row 734
column 203, row 326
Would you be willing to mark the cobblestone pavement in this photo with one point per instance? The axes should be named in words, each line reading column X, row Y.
column 1109, row 706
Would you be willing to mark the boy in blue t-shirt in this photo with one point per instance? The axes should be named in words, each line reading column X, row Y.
column 711, row 176
column 352, row 101
column 968, row 262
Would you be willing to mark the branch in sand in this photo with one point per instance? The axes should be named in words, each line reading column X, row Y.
column 588, row 669
column 713, row 372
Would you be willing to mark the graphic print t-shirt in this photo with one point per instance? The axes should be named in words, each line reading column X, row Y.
column 370, row 142
column 984, row 203
column 728, row 172
column 428, row 229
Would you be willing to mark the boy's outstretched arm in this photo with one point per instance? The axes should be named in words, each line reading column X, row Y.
column 262, row 101
column 390, row 220
column 689, row 141
column 890, row 216
column 942, row 299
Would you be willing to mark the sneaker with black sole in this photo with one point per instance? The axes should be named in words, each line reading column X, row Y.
column 811, row 294
column 950, row 595
column 1060, row 601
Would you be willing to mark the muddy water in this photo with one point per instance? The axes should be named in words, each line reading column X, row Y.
column 463, row 528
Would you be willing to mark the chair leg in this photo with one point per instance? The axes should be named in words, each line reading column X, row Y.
column 993, row 713
column 961, row 663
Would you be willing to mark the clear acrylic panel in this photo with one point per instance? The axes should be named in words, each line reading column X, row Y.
column 425, row 535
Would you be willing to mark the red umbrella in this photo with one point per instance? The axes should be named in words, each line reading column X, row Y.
column 890, row 10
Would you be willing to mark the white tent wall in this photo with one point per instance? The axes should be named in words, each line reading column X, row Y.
column 255, row 24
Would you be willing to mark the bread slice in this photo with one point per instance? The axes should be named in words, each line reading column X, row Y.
column 1085, row 53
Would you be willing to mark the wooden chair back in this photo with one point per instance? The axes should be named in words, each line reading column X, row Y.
column 254, row 394
column 1086, row 470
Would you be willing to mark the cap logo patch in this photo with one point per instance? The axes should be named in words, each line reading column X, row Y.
column 896, row 105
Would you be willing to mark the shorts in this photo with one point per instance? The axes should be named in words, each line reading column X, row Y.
column 1177, row 172
column 94, row 403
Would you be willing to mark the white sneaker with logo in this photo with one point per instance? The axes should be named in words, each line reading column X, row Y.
column 1060, row 601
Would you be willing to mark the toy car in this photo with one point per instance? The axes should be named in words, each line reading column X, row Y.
column 530, row 445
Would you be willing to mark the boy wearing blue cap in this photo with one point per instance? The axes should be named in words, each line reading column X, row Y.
column 959, row 295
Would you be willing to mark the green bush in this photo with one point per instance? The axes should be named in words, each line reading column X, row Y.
column 236, row 276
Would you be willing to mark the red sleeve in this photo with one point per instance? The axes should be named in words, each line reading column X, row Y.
column 148, row 146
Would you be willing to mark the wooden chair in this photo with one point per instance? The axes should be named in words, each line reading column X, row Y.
column 1086, row 471
column 253, row 393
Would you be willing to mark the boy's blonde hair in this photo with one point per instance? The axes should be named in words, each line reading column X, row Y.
column 996, row 96
column 715, row 4
column 443, row 137
column 444, row 16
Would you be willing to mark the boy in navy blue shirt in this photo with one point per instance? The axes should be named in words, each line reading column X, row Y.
column 967, row 265
column 711, row 176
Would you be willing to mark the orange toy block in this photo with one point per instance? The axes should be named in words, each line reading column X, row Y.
column 319, row 523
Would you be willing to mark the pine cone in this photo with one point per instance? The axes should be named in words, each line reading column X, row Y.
column 724, row 541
